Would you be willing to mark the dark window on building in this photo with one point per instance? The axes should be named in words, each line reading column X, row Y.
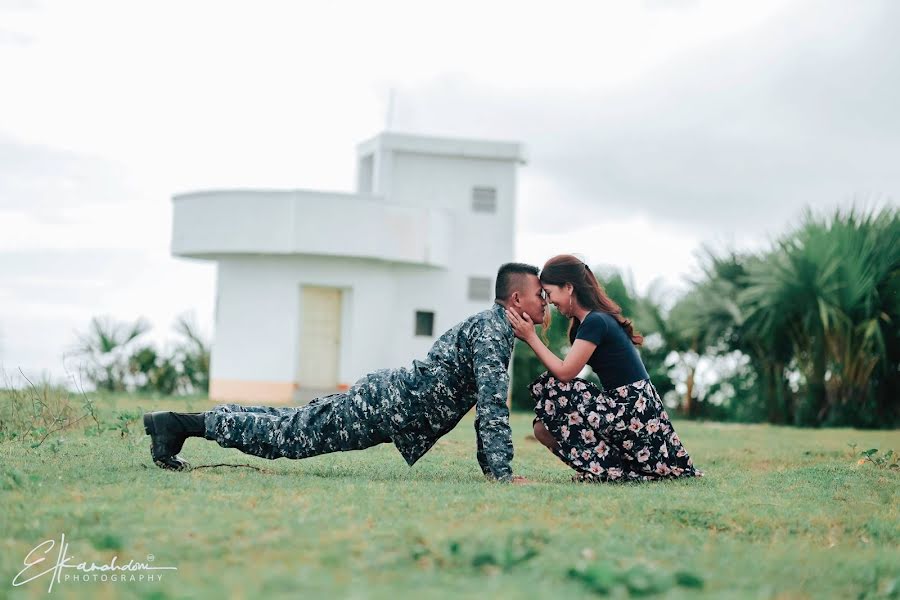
column 480, row 288
column 484, row 199
column 424, row 323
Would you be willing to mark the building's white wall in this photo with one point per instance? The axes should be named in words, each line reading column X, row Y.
column 480, row 242
column 257, row 334
column 446, row 183
column 255, row 317
column 365, row 175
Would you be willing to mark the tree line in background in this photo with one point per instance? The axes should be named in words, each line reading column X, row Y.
column 803, row 333
column 115, row 359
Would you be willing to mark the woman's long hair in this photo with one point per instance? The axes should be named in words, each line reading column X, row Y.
column 566, row 268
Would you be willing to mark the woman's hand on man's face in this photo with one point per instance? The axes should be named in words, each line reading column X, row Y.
column 522, row 325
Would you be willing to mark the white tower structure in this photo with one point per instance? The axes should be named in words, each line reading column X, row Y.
column 315, row 289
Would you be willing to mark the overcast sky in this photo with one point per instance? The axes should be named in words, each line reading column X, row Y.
column 651, row 127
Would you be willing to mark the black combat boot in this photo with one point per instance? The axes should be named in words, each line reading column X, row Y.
column 168, row 431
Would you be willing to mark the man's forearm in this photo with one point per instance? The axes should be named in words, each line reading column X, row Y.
column 496, row 439
column 479, row 453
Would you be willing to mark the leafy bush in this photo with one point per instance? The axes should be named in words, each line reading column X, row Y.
column 114, row 359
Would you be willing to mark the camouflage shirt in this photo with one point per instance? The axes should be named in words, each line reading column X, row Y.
column 467, row 366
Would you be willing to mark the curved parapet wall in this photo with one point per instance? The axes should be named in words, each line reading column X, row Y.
column 212, row 224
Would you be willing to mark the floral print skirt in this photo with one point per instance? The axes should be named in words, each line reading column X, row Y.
column 621, row 435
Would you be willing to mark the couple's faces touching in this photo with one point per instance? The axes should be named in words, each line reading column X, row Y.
column 533, row 298
column 560, row 296
column 529, row 299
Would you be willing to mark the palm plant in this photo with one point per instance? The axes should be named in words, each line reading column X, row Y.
column 104, row 348
column 729, row 324
column 830, row 290
column 195, row 354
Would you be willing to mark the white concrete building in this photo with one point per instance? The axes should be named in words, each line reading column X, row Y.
column 315, row 289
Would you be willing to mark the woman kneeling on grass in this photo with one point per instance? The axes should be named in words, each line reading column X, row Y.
column 623, row 434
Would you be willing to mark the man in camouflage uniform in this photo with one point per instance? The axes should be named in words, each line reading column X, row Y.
column 466, row 367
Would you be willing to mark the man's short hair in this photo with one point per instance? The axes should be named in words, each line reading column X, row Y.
column 509, row 278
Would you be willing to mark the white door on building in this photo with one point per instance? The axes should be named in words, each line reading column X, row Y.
column 320, row 341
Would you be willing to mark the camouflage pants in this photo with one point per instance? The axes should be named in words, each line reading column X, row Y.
column 333, row 423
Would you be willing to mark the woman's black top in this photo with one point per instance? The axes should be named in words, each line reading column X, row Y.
column 616, row 360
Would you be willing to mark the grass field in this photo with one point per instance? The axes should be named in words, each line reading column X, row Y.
column 781, row 513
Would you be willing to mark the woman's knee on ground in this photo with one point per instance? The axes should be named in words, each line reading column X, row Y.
column 543, row 436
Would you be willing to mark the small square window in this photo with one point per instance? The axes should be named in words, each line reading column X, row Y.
column 484, row 199
column 480, row 288
column 424, row 323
